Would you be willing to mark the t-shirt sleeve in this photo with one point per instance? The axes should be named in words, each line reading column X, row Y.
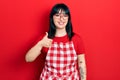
column 79, row 45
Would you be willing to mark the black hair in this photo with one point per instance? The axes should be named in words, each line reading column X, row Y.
column 52, row 28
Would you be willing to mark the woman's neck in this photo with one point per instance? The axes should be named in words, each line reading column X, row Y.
column 60, row 32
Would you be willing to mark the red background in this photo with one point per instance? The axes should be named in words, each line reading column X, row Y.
column 22, row 21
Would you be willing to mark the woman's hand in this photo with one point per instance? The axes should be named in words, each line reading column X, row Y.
column 35, row 51
column 46, row 42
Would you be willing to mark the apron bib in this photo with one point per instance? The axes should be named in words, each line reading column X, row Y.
column 61, row 62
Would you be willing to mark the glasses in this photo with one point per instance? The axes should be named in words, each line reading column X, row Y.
column 61, row 15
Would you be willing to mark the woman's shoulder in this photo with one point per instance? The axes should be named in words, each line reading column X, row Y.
column 40, row 36
column 77, row 36
column 78, row 43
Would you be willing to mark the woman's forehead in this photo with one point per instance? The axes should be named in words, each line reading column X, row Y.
column 61, row 11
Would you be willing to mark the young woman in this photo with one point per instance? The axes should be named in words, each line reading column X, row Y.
column 65, row 58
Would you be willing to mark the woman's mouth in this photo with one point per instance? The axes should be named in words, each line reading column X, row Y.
column 60, row 23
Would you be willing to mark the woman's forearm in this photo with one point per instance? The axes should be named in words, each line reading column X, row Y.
column 82, row 66
column 34, row 52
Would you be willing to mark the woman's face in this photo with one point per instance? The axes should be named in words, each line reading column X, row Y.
column 60, row 19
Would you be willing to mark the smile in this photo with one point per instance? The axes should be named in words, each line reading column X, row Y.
column 61, row 23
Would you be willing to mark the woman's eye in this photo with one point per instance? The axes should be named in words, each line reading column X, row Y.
column 56, row 14
column 65, row 15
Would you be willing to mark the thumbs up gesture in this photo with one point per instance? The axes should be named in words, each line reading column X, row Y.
column 46, row 42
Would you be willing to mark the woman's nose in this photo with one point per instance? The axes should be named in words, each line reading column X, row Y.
column 61, row 17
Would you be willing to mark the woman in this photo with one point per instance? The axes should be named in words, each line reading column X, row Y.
column 64, row 49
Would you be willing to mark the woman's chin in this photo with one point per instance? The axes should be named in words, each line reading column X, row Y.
column 61, row 27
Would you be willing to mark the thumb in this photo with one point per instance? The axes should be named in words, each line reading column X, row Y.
column 46, row 34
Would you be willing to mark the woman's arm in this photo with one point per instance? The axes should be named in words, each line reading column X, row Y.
column 35, row 51
column 82, row 66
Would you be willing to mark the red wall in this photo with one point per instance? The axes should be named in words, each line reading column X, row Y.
column 22, row 21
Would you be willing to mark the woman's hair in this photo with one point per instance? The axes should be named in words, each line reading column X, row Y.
column 52, row 28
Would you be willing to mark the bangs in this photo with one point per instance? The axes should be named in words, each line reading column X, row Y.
column 62, row 10
column 59, row 7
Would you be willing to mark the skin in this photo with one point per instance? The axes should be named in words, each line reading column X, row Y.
column 82, row 66
column 60, row 20
column 35, row 51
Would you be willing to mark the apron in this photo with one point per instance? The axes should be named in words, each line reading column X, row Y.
column 61, row 62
